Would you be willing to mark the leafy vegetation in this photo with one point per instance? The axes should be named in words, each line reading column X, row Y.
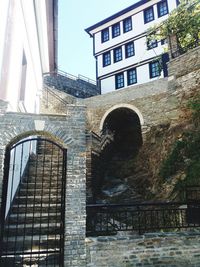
column 185, row 153
column 184, row 22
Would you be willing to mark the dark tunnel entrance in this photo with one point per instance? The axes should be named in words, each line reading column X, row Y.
column 125, row 126
column 116, row 160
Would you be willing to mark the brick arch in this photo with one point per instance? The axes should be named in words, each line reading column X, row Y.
column 123, row 105
column 44, row 134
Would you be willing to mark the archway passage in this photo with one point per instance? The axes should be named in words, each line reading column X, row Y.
column 125, row 126
column 117, row 159
column 32, row 216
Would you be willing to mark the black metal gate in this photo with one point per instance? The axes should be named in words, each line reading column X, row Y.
column 32, row 214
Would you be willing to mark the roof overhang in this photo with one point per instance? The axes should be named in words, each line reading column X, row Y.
column 92, row 29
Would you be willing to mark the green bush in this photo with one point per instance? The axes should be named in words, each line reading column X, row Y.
column 185, row 153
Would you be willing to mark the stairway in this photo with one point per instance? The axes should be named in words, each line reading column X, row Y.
column 33, row 231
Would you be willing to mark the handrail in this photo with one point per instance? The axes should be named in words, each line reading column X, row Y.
column 183, row 50
column 102, row 140
column 164, row 203
column 50, row 91
column 71, row 76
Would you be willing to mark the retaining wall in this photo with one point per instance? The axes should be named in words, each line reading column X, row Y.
column 149, row 250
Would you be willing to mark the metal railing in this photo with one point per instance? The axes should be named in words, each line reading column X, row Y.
column 48, row 93
column 71, row 76
column 183, row 50
column 141, row 218
column 99, row 142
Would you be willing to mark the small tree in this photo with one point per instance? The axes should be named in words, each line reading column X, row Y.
column 184, row 22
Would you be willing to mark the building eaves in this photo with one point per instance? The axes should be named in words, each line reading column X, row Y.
column 116, row 15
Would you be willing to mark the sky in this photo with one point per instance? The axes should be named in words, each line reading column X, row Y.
column 75, row 47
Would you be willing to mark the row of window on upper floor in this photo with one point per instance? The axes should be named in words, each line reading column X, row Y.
column 129, row 52
column 162, row 8
column 131, row 74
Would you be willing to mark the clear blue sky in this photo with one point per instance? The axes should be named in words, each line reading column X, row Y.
column 75, row 47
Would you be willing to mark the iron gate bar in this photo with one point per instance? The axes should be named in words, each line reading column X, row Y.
column 51, row 191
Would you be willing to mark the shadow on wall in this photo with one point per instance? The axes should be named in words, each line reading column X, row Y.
column 124, row 125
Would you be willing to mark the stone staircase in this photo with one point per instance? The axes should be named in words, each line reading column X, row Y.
column 33, row 231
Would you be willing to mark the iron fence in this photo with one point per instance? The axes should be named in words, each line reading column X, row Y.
column 183, row 50
column 141, row 218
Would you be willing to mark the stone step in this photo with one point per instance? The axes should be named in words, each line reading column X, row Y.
column 40, row 192
column 40, row 172
column 32, row 261
column 36, row 217
column 29, row 242
column 32, row 229
column 37, row 207
column 49, row 199
column 41, row 184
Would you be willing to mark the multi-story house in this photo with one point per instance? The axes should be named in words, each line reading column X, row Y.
column 123, row 55
column 28, row 48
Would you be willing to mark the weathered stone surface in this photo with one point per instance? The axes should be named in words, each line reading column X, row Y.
column 69, row 131
column 114, row 189
column 161, row 250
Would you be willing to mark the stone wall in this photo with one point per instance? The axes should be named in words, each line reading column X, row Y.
column 54, row 101
column 186, row 63
column 69, row 131
column 149, row 250
column 149, row 100
column 156, row 102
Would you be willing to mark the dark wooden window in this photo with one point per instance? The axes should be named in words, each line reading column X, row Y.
column 131, row 76
column 115, row 30
column 148, row 14
column 152, row 44
column 127, row 24
column 162, row 8
column 105, row 35
column 106, row 59
column 119, row 80
column 154, row 69
column 117, row 52
column 129, row 49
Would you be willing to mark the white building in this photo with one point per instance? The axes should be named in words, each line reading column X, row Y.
column 28, row 48
column 123, row 57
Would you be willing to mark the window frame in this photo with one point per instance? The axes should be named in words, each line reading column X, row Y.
column 128, row 76
column 117, row 56
column 163, row 41
column 118, row 32
column 127, row 24
column 103, row 39
column 145, row 16
column 129, row 52
column 159, row 8
column 119, row 84
column 151, row 72
column 154, row 44
column 104, row 60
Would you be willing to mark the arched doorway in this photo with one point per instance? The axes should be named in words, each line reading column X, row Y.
column 125, row 126
column 32, row 215
column 122, row 125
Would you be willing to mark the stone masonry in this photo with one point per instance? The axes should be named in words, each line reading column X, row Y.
column 155, row 103
column 149, row 250
column 69, row 131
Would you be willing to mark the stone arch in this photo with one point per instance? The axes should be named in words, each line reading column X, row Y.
column 69, row 130
column 122, row 105
column 45, row 134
